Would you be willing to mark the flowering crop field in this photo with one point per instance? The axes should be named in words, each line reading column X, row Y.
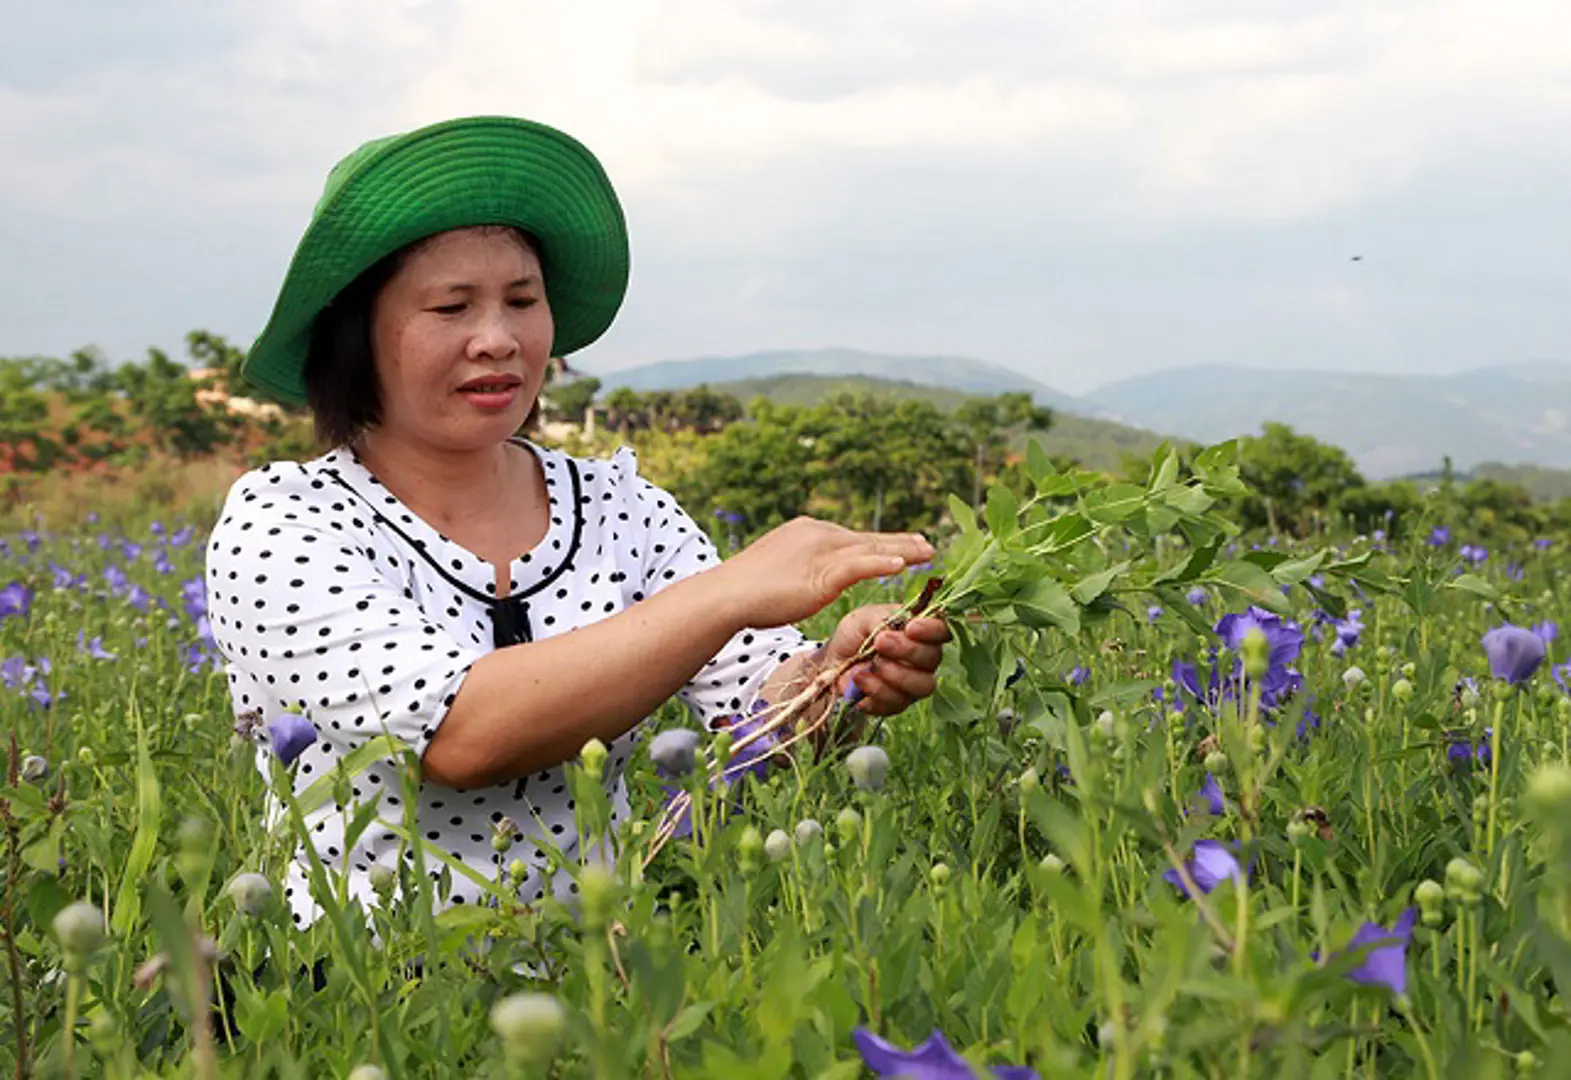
column 1184, row 805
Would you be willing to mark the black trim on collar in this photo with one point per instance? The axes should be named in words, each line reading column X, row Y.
column 513, row 600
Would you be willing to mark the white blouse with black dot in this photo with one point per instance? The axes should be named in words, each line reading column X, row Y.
column 328, row 596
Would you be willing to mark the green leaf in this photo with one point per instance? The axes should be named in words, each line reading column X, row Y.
column 149, row 817
column 688, row 1021
column 1254, row 584
column 1038, row 466
column 1002, row 507
column 1044, row 603
column 1114, row 503
column 1094, row 585
column 1293, row 571
column 964, row 516
column 1472, row 583
column 362, row 757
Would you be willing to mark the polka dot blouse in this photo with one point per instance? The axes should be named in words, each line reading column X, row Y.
column 328, row 596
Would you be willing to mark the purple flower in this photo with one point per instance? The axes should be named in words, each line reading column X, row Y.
column 182, row 537
column 1461, row 754
column 1078, row 675
column 1514, row 653
column 1348, row 631
column 1154, row 612
column 1017, row 674
column 1547, row 631
column 1514, row 572
column 290, row 734
column 1211, row 797
column 1543, row 543
column 1562, row 676
column 93, row 648
column 1210, row 864
column 934, row 1059
column 1474, row 555
column 15, row 599
column 1439, row 536
column 1386, row 963
column 1284, row 641
column 1197, row 597
column 115, row 578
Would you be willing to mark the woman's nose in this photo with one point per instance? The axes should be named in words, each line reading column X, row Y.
column 492, row 336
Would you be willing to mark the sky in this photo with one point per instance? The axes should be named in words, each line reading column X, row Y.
column 1084, row 192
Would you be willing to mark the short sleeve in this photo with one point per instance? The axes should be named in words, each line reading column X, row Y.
column 307, row 612
column 673, row 547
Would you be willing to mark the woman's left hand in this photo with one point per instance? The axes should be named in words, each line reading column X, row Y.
column 901, row 672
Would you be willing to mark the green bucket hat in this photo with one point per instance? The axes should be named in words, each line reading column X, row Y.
column 482, row 170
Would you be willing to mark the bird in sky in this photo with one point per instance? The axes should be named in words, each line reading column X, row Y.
column 1358, row 258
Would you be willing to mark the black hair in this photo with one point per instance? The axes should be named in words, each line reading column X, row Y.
column 340, row 366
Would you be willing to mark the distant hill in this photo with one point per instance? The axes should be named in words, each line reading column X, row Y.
column 1096, row 444
column 954, row 372
column 1545, row 485
column 1392, row 425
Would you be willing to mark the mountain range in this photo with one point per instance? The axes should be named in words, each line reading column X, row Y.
column 1392, row 425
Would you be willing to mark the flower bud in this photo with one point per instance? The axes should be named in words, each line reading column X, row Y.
column 848, row 825
column 1402, row 690
column 1470, row 696
column 384, row 879
column 1431, row 898
column 673, row 751
column 85, row 755
column 35, row 769
column 1464, row 881
column 750, row 849
column 1549, row 794
column 1409, row 670
column 868, row 765
column 1030, row 780
column 595, row 889
column 502, row 835
column 777, row 846
column 1051, row 864
column 195, row 835
column 807, row 831
column 1298, row 831
column 80, row 928
column 722, row 745
column 529, row 1026
column 367, row 1072
column 592, row 757
column 1216, row 762
column 517, row 873
column 1353, row 678
column 251, row 893
column 1256, row 650
column 1007, row 720
column 1525, row 1061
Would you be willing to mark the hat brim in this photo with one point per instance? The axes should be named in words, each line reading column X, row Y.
column 455, row 174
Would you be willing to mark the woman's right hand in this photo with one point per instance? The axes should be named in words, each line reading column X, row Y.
column 796, row 570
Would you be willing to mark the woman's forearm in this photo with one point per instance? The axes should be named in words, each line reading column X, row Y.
column 532, row 706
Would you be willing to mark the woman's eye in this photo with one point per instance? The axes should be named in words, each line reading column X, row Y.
column 523, row 302
column 448, row 309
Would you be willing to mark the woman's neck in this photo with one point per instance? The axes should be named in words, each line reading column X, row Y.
column 444, row 487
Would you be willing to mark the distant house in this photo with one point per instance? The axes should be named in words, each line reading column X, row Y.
column 215, row 397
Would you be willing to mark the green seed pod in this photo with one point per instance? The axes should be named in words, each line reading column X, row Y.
column 1216, row 762
column 1030, row 781
column 1464, row 881
column 85, row 755
column 80, row 928
column 807, row 831
column 777, row 846
column 939, row 876
column 502, row 835
column 848, row 826
column 1526, row 1061
column 1402, row 690
column 1298, row 831
column 529, row 1025
column 517, row 873
column 1409, row 670
column 1353, row 678
column 251, row 893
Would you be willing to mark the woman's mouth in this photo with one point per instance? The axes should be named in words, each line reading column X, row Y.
column 489, row 393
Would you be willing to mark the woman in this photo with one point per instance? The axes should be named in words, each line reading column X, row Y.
column 492, row 603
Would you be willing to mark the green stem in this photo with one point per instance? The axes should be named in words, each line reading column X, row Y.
column 73, row 990
column 1494, row 779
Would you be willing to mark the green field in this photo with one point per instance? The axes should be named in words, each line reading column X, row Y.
column 1124, row 839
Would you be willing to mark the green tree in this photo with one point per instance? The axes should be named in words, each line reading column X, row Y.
column 570, row 399
column 985, row 424
column 162, row 398
column 1295, row 479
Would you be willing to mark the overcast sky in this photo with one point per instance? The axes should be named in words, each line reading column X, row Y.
column 1083, row 191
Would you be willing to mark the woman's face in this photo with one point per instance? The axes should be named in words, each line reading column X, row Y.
column 461, row 336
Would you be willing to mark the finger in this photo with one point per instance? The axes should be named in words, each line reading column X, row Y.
column 909, row 546
column 935, row 631
column 901, row 649
column 847, row 572
column 908, row 682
